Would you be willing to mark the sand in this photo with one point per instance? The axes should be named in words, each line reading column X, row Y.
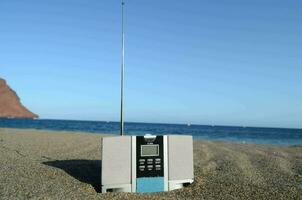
column 61, row 165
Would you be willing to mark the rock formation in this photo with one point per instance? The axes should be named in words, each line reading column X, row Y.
column 10, row 105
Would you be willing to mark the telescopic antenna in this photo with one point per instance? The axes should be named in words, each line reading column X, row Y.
column 122, row 74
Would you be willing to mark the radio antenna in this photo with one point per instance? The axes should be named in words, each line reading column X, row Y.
column 122, row 74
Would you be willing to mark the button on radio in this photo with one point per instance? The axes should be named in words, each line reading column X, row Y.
column 141, row 161
column 150, row 167
column 142, row 168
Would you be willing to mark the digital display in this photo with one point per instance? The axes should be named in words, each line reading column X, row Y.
column 149, row 150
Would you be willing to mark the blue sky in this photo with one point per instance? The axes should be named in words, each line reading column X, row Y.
column 206, row 62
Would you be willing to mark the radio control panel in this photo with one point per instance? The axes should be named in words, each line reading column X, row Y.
column 149, row 156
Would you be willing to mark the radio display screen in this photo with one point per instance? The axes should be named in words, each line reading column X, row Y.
column 149, row 150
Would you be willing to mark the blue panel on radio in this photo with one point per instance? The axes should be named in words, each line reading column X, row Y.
column 150, row 184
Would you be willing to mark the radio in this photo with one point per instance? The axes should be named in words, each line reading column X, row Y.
column 146, row 163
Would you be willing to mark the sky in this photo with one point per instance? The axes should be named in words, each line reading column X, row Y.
column 209, row 62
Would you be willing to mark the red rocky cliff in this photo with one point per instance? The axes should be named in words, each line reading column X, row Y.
column 10, row 105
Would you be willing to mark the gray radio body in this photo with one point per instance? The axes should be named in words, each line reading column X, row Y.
column 146, row 163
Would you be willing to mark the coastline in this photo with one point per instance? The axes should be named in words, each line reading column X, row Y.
column 255, row 135
column 67, row 165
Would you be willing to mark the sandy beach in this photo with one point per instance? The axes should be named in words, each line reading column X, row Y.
column 61, row 165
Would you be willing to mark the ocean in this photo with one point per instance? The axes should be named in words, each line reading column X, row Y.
column 275, row 136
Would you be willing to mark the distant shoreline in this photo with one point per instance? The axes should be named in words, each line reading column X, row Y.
column 50, row 131
column 161, row 123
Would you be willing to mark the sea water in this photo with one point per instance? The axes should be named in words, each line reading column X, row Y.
column 276, row 136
